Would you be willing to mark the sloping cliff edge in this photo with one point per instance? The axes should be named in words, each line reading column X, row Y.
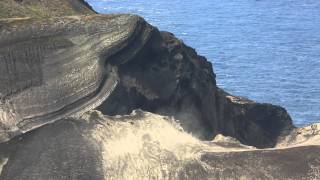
column 150, row 70
column 157, row 73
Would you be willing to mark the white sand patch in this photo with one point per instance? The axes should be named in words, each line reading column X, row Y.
column 146, row 146
column 305, row 136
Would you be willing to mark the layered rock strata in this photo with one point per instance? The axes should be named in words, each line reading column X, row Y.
column 56, row 67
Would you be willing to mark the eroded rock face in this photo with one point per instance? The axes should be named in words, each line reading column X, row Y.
column 144, row 146
column 58, row 69
column 54, row 68
column 169, row 78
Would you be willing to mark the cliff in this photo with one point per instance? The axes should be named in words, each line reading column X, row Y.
column 169, row 78
column 55, row 70
column 56, row 67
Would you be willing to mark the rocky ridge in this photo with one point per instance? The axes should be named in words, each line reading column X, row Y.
column 45, row 60
column 53, row 70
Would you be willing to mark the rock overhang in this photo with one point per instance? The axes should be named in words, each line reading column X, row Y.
column 59, row 67
column 117, row 63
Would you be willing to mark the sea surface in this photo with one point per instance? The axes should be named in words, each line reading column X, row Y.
column 265, row 50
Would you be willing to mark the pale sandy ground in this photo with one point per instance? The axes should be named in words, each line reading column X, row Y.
column 135, row 143
column 305, row 136
column 145, row 146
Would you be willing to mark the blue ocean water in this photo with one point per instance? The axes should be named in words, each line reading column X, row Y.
column 266, row 50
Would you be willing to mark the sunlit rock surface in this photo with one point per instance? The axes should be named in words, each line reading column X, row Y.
column 306, row 136
column 144, row 146
column 56, row 67
column 53, row 68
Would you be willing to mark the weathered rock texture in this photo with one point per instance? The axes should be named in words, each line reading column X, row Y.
column 143, row 146
column 43, row 8
column 306, row 136
column 56, row 67
column 169, row 78
column 53, row 68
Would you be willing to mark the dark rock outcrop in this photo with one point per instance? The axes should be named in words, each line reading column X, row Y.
column 169, row 78
column 54, row 70
column 56, row 67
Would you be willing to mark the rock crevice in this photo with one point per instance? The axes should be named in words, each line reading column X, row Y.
column 49, row 65
column 56, row 72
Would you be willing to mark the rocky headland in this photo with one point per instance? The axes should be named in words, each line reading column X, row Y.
column 71, row 81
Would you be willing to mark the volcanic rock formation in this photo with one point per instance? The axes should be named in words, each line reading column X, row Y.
column 56, row 67
column 169, row 78
column 53, row 70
